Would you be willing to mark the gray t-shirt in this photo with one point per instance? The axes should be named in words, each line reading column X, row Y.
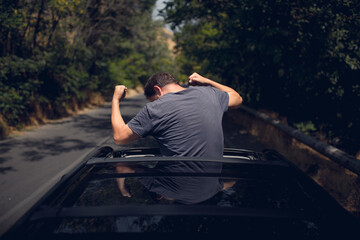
column 185, row 123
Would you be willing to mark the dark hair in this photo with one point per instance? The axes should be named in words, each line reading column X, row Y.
column 158, row 79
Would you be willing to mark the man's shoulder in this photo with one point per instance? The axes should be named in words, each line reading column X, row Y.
column 209, row 91
column 180, row 96
column 201, row 90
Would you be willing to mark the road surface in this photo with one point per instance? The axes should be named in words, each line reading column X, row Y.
column 32, row 163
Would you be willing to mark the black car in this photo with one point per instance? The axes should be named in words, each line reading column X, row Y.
column 136, row 193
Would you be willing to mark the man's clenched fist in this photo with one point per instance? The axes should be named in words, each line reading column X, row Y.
column 119, row 92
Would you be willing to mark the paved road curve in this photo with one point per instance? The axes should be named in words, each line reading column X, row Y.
column 32, row 163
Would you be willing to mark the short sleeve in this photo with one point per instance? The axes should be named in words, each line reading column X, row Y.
column 223, row 98
column 141, row 124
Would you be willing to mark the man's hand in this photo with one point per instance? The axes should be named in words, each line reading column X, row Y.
column 119, row 92
column 235, row 99
column 196, row 79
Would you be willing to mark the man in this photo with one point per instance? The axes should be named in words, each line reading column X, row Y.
column 184, row 121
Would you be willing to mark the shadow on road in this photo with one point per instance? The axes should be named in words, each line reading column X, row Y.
column 31, row 150
column 4, row 170
column 38, row 149
column 4, row 149
column 66, row 135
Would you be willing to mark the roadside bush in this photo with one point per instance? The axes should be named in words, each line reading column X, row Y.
column 19, row 84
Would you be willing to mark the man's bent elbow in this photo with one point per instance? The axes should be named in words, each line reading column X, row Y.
column 119, row 140
column 239, row 102
column 235, row 101
column 125, row 136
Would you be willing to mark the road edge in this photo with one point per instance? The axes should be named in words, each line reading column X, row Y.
column 10, row 217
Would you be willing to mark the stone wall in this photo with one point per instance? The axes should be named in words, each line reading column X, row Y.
column 334, row 176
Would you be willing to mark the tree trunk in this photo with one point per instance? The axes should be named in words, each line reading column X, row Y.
column 53, row 28
column 37, row 25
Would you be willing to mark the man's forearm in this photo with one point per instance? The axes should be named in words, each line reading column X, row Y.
column 122, row 133
column 117, row 121
column 219, row 86
column 235, row 99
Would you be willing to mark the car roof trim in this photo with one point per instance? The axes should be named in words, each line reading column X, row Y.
column 226, row 159
column 164, row 210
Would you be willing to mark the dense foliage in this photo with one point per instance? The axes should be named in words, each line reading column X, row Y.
column 57, row 52
column 298, row 58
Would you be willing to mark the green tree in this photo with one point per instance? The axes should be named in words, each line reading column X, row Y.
column 298, row 58
column 57, row 53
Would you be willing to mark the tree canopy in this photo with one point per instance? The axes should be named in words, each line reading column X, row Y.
column 298, row 58
column 56, row 52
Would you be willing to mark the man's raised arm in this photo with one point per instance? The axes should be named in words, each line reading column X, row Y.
column 122, row 133
column 235, row 99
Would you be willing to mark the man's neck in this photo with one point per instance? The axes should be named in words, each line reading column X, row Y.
column 172, row 88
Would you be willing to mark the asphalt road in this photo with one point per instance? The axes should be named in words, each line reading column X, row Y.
column 32, row 163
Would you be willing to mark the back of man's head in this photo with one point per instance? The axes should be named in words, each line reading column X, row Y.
column 158, row 79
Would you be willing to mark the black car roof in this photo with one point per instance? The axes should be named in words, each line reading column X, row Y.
column 268, row 187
